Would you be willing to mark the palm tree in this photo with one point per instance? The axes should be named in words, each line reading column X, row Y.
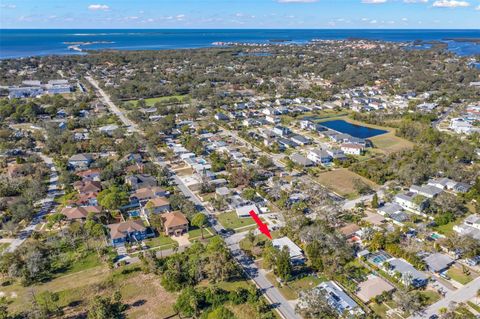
column 199, row 220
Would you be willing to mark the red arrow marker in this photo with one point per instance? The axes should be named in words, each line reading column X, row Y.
column 261, row 226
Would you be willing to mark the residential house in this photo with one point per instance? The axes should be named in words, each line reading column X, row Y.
column 80, row 161
column 108, row 129
column 156, row 205
column 338, row 299
column 87, row 186
column 90, row 174
column 244, row 211
column 438, row 262
column 296, row 253
column 281, row 131
column 426, row 190
column 138, row 181
column 412, row 201
column 349, row 230
column 372, row 287
column 319, row 156
column 442, row 183
column 222, row 192
column 142, row 195
column 80, row 213
column 470, row 227
column 336, row 154
column 129, row 231
column 301, row 160
column 286, row 143
column 175, row 223
column 409, row 275
column 352, row 149
column 300, row 140
column 272, row 119
column 221, row 117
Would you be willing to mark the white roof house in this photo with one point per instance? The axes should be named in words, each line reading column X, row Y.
column 244, row 211
column 296, row 253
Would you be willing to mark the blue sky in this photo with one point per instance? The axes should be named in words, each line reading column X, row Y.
column 417, row 14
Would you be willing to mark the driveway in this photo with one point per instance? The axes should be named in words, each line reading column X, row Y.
column 181, row 240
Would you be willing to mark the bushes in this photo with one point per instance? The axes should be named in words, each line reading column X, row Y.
column 211, row 302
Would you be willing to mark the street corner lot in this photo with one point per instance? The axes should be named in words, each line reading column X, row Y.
column 342, row 181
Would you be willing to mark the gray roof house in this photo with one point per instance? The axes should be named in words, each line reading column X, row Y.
column 80, row 160
column 390, row 208
column 409, row 274
column 301, row 160
column 300, row 140
column 438, row 262
column 428, row 191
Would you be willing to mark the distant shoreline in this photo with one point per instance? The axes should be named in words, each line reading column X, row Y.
column 47, row 42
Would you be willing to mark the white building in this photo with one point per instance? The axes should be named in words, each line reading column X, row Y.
column 352, row 149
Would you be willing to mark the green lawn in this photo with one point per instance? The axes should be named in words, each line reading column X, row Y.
column 90, row 261
column 291, row 290
column 3, row 246
column 474, row 306
column 432, row 296
column 230, row 220
column 197, row 234
column 458, row 275
column 447, row 229
column 288, row 292
column 305, row 283
column 159, row 241
column 152, row 101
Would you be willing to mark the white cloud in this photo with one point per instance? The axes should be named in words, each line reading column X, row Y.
column 97, row 7
column 180, row 17
column 477, row 8
column 415, row 1
column 373, row 1
column 450, row 3
column 296, row 1
column 8, row 6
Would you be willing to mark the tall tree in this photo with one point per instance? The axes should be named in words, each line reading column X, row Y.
column 199, row 220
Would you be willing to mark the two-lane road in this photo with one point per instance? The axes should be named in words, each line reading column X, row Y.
column 47, row 204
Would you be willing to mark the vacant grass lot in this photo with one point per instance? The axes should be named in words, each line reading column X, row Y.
column 142, row 292
column 159, row 241
column 388, row 143
column 342, row 181
column 231, row 220
column 292, row 289
column 152, row 101
column 197, row 234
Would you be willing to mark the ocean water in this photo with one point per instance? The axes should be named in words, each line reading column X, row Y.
column 25, row 43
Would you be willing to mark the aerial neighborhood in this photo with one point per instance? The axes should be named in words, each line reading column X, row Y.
column 165, row 185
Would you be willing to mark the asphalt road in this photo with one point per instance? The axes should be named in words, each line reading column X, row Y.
column 47, row 204
column 272, row 294
column 463, row 294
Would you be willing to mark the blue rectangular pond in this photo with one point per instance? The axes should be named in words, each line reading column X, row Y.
column 352, row 129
